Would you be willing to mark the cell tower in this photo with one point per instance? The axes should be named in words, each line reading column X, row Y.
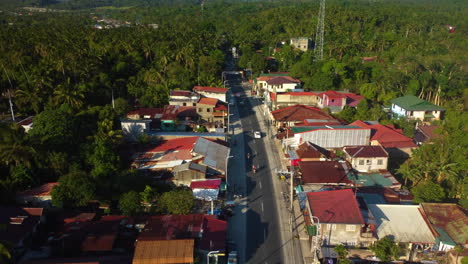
column 318, row 49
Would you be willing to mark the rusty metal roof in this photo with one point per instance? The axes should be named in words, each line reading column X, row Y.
column 450, row 217
column 164, row 252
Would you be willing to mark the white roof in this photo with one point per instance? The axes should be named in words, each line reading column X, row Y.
column 403, row 223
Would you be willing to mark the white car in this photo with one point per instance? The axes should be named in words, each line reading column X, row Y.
column 257, row 134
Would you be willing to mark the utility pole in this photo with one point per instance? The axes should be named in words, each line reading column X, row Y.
column 318, row 49
column 9, row 94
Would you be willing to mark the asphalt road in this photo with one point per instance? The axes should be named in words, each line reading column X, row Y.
column 262, row 239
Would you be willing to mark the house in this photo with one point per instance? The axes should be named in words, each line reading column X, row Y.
column 187, row 234
column 178, row 118
column 167, row 154
column 381, row 179
column 186, row 172
column 260, row 82
column 395, row 143
column 26, row 123
column 338, row 218
column 367, row 158
column 450, row 222
column 213, row 114
column 176, row 251
column 212, row 92
column 214, row 155
column 310, row 152
column 291, row 115
column 301, row 43
column 316, row 174
column 337, row 100
column 39, row 196
column 18, row 227
column 426, row 134
column 183, row 98
column 414, row 108
column 330, row 137
column 281, row 100
column 404, row 223
column 145, row 113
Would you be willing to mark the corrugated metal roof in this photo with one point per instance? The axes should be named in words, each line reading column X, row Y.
column 164, row 252
column 404, row 223
column 413, row 103
column 214, row 154
column 451, row 217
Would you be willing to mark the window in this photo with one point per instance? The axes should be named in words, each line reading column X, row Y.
column 333, row 227
column 361, row 162
column 368, row 162
column 333, row 100
column 350, row 228
column 379, row 162
column 194, row 104
column 411, row 113
column 200, row 110
column 184, row 104
column 208, row 110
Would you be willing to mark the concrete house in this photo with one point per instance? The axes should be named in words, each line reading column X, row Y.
column 367, row 158
column 213, row 113
column 292, row 115
column 212, row 92
column 338, row 218
column 336, row 101
column 301, row 43
column 414, row 108
column 281, row 100
column 183, row 98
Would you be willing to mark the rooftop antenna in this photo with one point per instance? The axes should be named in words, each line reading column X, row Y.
column 318, row 49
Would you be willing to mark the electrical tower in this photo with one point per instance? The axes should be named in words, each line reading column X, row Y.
column 318, row 49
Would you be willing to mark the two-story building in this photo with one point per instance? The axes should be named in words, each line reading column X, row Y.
column 414, row 108
column 280, row 100
column 367, row 158
column 301, row 43
column 337, row 219
column 212, row 113
column 212, row 92
column 336, row 101
column 183, row 98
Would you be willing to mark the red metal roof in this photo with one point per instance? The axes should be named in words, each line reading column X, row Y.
column 331, row 172
column 208, row 101
column 18, row 222
column 387, row 136
column 167, row 227
column 221, row 107
column 27, row 121
column 366, row 152
column 276, row 80
column 43, row 190
column 146, row 112
column 309, row 150
column 172, row 112
column 83, row 217
column 337, row 207
column 214, row 234
column 429, row 131
column 175, row 144
column 181, row 93
column 300, row 113
column 273, row 96
column 206, row 184
column 210, row 89
column 332, row 94
column 300, row 93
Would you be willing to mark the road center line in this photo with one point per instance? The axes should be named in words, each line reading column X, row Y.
column 262, row 206
column 260, row 184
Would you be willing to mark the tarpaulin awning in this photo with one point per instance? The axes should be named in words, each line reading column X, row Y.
column 206, row 184
column 206, row 194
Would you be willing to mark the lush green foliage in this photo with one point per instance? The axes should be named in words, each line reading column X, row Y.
column 74, row 189
column 130, row 203
column 178, row 201
column 342, row 252
column 385, row 249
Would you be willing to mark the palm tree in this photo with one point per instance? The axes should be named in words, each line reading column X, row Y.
column 68, row 94
column 5, row 254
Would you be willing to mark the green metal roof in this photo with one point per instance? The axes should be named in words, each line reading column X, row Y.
column 310, row 128
column 444, row 237
column 413, row 103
